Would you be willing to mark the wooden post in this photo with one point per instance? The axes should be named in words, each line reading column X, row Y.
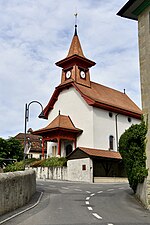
column 59, row 146
column 43, row 140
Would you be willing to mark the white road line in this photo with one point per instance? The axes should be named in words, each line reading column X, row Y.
column 77, row 189
column 99, row 192
column 87, row 198
column 66, row 188
column 87, row 202
column 110, row 223
column 92, row 194
column 110, row 190
column 90, row 208
column 88, row 192
column 121, row 188
column 50, row 186
column 97, row 216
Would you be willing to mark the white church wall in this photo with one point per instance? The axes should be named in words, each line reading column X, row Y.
column 71, row 103
column 104, row 126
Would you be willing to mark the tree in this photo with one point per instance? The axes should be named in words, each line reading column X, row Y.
column 11, row 149
column 132, row 146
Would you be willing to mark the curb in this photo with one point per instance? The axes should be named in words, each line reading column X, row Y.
column 25, row 210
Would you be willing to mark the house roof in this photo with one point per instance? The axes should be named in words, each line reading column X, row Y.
column 133, row 8
column 32, row 137
column 99, row 96
column 82, row 152
column 60, row 122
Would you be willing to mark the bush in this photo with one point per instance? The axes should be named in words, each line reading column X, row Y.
column 132, row 146
column 17, row 166
column 50, row 162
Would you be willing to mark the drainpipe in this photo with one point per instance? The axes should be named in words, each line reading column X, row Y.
column 116, row 122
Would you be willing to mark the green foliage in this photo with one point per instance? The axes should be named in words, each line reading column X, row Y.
column 50, row 162
column 17, row 166
column 11, row 149
column 132, row 146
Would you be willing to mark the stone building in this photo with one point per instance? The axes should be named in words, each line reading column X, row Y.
column 139, row 10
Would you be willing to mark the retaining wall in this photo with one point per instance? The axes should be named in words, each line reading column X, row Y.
column 16, row 189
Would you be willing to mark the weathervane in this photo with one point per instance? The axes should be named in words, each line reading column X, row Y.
column 76, row 14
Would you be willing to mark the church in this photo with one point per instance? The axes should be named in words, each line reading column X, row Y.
column 84, row 116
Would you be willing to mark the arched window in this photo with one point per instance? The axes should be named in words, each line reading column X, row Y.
column 111, row 142
column 68, row 149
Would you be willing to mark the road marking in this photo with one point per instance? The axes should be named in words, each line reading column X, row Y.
column 66, row 188
column 110, row 190
column 110, row 223
column 77, row 189
column 87, row 198
column 87, row 203
column 93, row 194
column 121, row 188
column 90, row 208
column 88, row 192
column 97, row 216
column 99, row 192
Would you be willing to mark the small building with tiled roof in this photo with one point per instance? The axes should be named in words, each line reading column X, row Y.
column 34, row 144
column 84, row 113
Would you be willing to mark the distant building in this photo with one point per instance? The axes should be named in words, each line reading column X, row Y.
column 34, row 144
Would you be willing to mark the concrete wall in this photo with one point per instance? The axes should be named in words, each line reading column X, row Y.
column 142, row 193
column 144, row 53
column 52, row 173
column 80, row 170
column 16, row 189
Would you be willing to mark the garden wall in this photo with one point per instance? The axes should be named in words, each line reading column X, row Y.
column 52, row 173
column 16, row 189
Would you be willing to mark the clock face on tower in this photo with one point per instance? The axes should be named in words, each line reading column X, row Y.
column 68, row 74
column 82, row 74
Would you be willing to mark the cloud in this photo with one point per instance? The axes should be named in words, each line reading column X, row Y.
column 36, row 34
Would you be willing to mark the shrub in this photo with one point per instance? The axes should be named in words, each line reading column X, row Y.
column 132, row 146
column 50, row 162
column 17, row 166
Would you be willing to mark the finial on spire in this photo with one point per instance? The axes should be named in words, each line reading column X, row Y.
column 75, row 33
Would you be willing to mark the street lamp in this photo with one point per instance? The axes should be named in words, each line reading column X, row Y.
column 27, row 119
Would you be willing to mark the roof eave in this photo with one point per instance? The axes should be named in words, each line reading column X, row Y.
column 128, row 10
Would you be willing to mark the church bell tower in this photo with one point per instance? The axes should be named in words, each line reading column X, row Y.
column 75, row 67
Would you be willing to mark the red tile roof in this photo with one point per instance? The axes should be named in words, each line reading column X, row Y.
column 99, row 96
column 101, row 153
column 82, row 152
column 61, row 122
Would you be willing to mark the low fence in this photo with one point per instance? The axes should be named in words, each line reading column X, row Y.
column 16, row 189
column 52, row 173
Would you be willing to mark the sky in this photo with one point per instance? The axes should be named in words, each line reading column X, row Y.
column 35, row 34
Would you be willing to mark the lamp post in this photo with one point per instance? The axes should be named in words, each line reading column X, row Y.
column 27, row 119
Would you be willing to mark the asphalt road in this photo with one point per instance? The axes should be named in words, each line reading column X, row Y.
column 70, row 203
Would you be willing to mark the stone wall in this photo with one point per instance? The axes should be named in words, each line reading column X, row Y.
column 52, row 173
column 16, row 189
